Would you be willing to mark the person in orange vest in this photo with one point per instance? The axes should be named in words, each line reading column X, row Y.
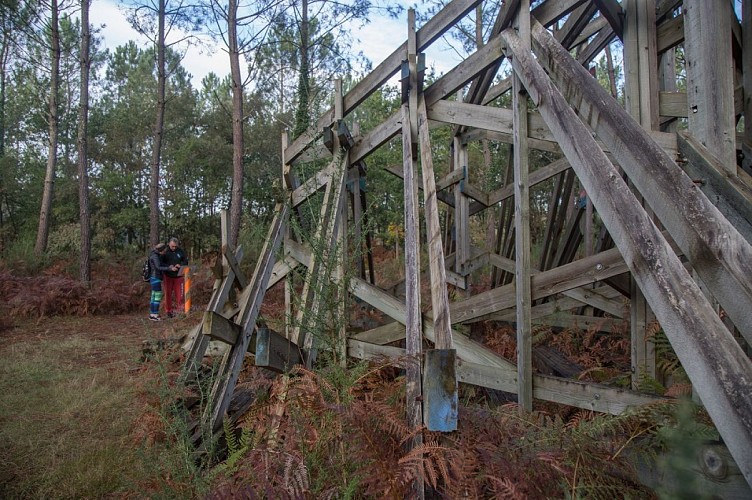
column 174, row 292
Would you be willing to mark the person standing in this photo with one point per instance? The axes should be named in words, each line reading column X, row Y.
column 174, row 282
column 158, row 267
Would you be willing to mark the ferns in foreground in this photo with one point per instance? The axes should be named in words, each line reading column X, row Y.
column 342, row 434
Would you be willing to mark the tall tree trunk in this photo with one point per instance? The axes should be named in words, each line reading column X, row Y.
column 236, row 202
column 49, row 180
column 4, row 56
column 611, row 73
column 158, row 130
column 304, row 77
column 83, row 158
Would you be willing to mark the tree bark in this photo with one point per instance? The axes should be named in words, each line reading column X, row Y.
column 611, row 73
column 49, row 180
column 83, row 158
column 236, row 202
column 301, row 113
column 158, row 130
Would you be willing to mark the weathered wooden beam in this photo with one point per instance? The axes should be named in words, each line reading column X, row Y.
column 313, row 185
column 274, row 352
column 584, row 395
column 536, row 177
column 577, row 20
column 465, row 71
column 281, row 269
column 727, row 191
column 716, row 249
column 240, row 278
column 710, row 80
column 521, row 185
column 308, row 316
column 384, row 334
column 554, row 305
column 611, row 10
column 431, row 31
column 439, row 296
column 576, row 274
column 220, row 328
column 413, row 328
column 670, row 34
column 232, row 362
column 584, row 323
column 715, row 363
column 583, row 295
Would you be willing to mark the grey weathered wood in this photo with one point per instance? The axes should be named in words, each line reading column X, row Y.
column 581, row 272
column 670, row 34
column 232, row 362
column 275, row 352
column 727, row 191
column 240, row 278
column 585, row 395
column 715, row 363
column 585, row 323
column 439, row 296
column 522, row 220
column 582, row 295
column 431, row 31
column 313, row 185
column 308, row 316
column 710, row 83
column 720, row 254
column 747, row 84
column 614, row 14
column 385, row 334
column 218, row 327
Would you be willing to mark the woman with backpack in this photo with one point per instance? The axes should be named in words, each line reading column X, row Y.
column 157, row 268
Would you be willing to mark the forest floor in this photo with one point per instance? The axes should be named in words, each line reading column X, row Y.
column 80, row 412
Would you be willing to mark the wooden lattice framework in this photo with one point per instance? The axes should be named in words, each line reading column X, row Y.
column 677, row 207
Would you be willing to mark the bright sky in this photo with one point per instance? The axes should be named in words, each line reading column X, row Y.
column 377, row 40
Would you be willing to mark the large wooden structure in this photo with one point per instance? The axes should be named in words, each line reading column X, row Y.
column 676, row 206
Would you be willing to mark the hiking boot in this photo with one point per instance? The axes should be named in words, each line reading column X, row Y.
column 154, row 317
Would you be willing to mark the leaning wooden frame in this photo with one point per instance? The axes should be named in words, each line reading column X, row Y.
column 679, row 250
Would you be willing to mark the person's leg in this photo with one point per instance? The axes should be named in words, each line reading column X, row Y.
column 169, row 284
column 180, row 294
column 156, row 298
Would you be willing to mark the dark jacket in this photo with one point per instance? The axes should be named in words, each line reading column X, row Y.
column 157, row 265
column 175, row 257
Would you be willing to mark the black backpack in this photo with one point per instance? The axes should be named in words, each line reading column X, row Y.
column 146, row 270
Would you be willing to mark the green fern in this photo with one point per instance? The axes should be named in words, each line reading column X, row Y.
column 237, row 447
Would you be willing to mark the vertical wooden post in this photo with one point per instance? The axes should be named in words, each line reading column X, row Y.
column 413, row 325
column 289, row 279
column 747, row 82
column 640, row 59
column 710, row 77
column 341, row 321
column 522, row 225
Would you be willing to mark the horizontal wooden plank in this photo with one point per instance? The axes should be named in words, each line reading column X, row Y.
column 584, row 395
column 575, row 274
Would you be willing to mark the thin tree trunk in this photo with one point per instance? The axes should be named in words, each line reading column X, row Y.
column 611, row 73
column 45, row 212
column 301, row 114
column 236, row 202
column 158, row 130
column 83, row 158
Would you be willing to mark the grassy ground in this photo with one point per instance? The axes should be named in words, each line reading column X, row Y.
column 80, row 411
